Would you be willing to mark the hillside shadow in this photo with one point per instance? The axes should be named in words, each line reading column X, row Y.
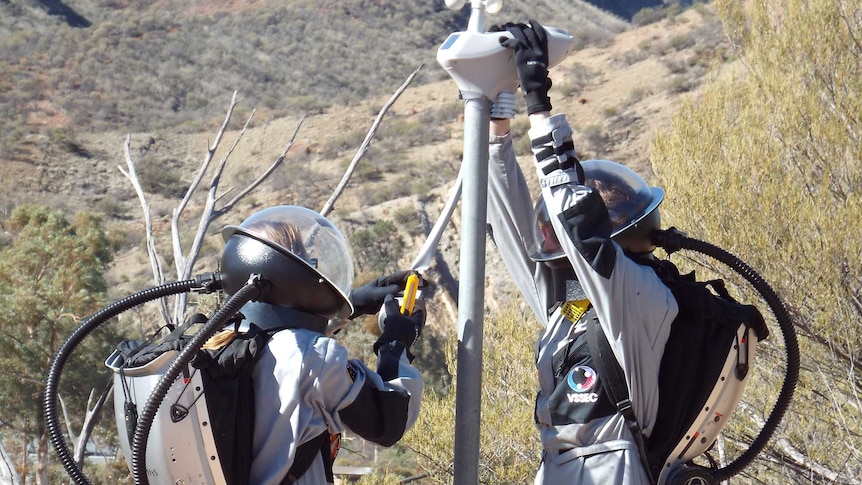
column 625, row 8
column 70, row 16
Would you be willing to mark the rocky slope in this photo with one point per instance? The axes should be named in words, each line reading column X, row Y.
column 616, row 95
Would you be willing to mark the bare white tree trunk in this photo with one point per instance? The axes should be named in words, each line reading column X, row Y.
column 8, row 474
column 90, row 418
column 184, row 262
column 155, row 263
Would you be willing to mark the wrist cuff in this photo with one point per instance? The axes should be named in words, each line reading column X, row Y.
column 537, row 102
column 554, row 149
column 560, row 177
column 388, row 359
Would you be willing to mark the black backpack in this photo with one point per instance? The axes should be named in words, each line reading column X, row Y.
column 701, row 337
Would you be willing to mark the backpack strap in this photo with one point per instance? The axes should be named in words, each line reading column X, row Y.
column 609, row 368
column 306, row 453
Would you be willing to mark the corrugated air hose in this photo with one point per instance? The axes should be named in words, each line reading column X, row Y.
column 673, row 240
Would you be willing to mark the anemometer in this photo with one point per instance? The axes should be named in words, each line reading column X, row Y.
column 476, row 60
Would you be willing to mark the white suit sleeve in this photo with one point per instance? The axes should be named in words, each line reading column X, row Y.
column 634, row 307
column 510, row 217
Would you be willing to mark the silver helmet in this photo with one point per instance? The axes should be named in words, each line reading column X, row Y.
column 632, row 207
column 301, row 253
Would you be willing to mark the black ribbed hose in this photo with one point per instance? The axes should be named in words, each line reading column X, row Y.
column 52, row 421
column 672, row 240
column 255, row 288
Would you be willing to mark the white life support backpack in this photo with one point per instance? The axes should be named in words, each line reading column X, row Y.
column 203, row 429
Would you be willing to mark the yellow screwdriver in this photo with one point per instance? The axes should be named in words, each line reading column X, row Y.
column 410, row 291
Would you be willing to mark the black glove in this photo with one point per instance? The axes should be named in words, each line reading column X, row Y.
column 530, row 46
column 368, row 298
column 404, row 329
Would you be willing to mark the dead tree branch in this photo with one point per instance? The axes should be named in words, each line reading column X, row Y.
column 210, row 213
column 8, row 471
column 184, row 262
column 788, row 453
column 152, row 252
column 179, row 260
column 330, row 204
column 229, row 205
column 90, row 419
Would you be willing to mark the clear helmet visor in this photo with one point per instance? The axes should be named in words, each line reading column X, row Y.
column 626, row 195
column 542, row 244
column 307, row 238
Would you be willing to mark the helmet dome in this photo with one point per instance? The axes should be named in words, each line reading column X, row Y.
column 632, row 207
column 301, row 253
column 544, row 245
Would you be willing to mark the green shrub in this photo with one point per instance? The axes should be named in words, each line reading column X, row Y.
column 766, row 166
column 509, row 446
column 377, row 248
column 161, row 177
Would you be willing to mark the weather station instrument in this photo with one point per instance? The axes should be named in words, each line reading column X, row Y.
column 484, row 71
column 478, row 62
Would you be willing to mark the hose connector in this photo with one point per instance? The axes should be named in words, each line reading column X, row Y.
column 207, row 283
column 670, row 239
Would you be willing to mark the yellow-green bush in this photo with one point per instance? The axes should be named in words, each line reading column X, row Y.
column 767, row 165
column 509, row 447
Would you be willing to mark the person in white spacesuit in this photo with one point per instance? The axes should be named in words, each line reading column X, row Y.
column 306, row 388
column 265, row 399
column 581, row 255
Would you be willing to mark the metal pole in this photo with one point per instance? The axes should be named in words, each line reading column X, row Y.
column 459, row 56
column 482, row 68
column 471, row 290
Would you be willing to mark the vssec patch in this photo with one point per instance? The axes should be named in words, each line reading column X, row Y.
column 582, row 379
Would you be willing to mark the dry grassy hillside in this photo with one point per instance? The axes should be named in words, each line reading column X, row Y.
column 616, row 96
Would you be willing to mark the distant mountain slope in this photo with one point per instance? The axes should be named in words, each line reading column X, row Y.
column 625, row 8
column 153, row 64
column 79, row 121
column 618, row 89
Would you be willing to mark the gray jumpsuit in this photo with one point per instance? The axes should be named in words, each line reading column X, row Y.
column 635, row 310
column 305, row 384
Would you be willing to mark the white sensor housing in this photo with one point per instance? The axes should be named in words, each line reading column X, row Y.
column 482, row 67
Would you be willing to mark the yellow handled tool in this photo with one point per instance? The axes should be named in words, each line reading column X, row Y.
column 410, row 290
